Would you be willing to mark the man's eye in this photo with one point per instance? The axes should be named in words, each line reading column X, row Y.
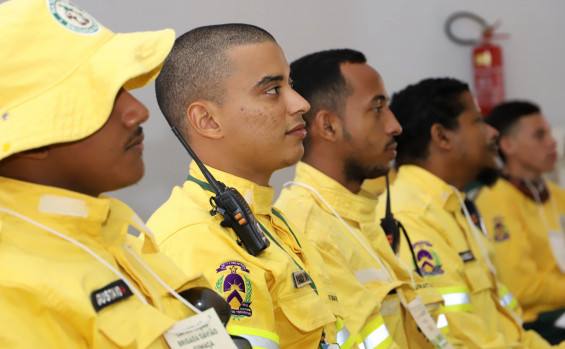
column 273, row 91
column 378, row 109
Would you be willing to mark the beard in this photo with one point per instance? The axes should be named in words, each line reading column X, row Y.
column 488, row 176
column 357, row 172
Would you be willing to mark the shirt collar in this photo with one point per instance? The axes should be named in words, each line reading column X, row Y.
column 440, row 192
column 358, row 207
column 65, row 210
column 259, row 198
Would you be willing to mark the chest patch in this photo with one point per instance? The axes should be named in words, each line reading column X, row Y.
column 500, row 230
column 110, row 294
column 427, row 259
column 234, row 285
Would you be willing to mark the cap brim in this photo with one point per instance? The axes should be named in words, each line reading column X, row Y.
column 80, row 104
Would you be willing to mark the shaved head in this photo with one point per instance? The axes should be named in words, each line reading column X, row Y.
column 198, row 67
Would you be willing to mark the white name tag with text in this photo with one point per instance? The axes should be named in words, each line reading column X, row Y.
column 199, row 332
column 427, row 324
column 557, row 243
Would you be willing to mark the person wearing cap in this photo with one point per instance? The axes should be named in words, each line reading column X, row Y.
column 524, row 216
column 70, row 275
column 351, row 137
column 444, row 146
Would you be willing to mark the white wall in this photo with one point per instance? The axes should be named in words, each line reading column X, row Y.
column 403, row 40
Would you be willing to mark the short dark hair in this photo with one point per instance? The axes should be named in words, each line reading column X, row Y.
column 198, row 66
column 506, row 115
column 418, row 107
column 317, row 78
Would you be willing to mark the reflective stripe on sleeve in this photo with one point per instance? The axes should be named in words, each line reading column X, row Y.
column 456, row 298
column 375, row 335
column 344, row 338
column 259, row 339
column 507, row 300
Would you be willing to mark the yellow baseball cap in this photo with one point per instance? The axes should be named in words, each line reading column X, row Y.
column 60, row 71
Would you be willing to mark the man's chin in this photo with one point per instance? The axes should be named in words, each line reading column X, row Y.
column 488, row 176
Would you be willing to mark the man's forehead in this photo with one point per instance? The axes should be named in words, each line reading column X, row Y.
column 259, row 62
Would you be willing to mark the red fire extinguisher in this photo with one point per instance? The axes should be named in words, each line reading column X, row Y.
column 488, row 73
column 488, row 70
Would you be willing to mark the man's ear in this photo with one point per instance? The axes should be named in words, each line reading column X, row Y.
column 440, row 136
column 506, row 145
column 202, row 119
column 326, row 125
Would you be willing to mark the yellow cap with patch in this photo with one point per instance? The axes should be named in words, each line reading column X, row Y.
column 60, row 71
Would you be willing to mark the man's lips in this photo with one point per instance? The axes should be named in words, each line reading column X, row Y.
column 136, row 140
column 299, row 130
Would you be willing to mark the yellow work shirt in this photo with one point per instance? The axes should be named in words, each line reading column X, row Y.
column 50, row 288
column 361, row 283
column 449, row 256
column 267, row 309
column 519, row 230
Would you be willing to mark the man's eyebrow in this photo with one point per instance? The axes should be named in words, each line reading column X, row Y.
column 379, row 98
column 268, row 79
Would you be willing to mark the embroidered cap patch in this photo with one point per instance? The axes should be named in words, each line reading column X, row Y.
column 110, row 294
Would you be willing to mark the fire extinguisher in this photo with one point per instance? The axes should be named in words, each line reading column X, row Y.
column 488, row 69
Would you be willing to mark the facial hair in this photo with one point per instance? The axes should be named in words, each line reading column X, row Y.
column 488, row 176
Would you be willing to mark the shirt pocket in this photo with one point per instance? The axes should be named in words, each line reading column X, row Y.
column 306, row 310
column 131, row 324
column 477, row 279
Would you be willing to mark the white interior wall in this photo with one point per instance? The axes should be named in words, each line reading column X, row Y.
column 403, row 40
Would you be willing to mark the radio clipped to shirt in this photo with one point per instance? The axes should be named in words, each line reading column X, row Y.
column 232, row 206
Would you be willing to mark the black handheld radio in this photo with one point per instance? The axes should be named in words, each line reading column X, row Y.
column 392, row 229
column 232, row 206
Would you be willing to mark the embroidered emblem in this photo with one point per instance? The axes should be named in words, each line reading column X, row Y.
column 235, row 287
column 428, row 261
column 73, row 17
column 110, row 294
column 500, row 229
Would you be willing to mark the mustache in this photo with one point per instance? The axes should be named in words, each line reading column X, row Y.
column 391, row 142
column 133, row 137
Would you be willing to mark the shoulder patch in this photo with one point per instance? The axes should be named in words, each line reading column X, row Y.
column 499, row 228
column 235, row 287
column 427, row 259
column 110, row 294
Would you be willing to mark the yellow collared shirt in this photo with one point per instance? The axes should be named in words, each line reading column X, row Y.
column 361, row 282
column 520, row 236
column 49, row 286
column 267, row 308
column 449, row 256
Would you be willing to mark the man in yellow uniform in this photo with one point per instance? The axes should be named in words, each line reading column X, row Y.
column 444, row 146
column 524, row 216
column 226, row 88
column 350, row 138
column 70, row 275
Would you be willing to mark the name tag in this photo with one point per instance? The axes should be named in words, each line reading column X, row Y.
column 467, row 256
column 198, row 332
column 557, row 243
column 300, row 279
column 110, row 294
column 427, row 324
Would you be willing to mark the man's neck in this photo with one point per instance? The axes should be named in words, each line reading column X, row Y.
column 334, row 172
column 518, row 171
